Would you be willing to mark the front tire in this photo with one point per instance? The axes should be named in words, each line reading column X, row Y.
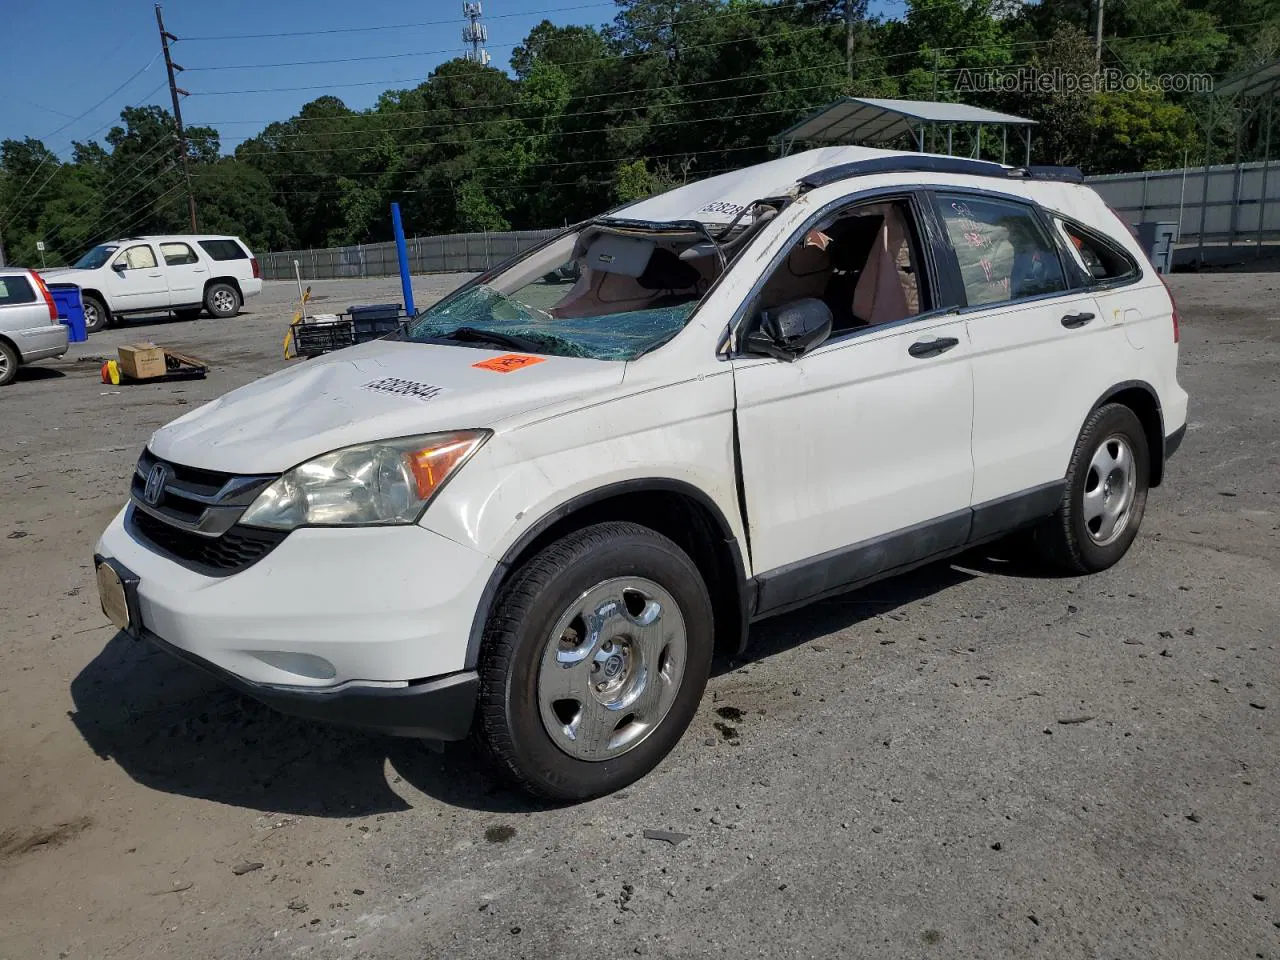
column 96, row 315
column 222, row 300
column 594, row 661
column 1105, row 497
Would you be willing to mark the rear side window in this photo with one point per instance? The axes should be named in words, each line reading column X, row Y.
column 1101, row 259
column 15, row 290
column 1003, row 251
column 177, row 254
column 223, row 249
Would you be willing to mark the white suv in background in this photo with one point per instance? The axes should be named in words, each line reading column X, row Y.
column 185, row 274
column 541, row 507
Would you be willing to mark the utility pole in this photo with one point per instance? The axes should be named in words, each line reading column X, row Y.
column 175, row 91
column 2, row 260
column 1097, row 38
column 848, row 38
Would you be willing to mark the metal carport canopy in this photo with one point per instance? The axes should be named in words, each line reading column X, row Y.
column 875, row 121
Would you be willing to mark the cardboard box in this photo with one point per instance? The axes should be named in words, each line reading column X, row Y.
column 142, row 361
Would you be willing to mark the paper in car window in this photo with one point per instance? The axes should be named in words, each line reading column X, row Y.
column 508, row 362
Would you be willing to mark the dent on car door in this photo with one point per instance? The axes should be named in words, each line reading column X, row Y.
column 1042, row 353
column 855, row 457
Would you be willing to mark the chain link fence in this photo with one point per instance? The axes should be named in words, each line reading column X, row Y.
column 454, row 253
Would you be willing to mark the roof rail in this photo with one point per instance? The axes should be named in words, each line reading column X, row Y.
column 924, row 163
column 1046, row 172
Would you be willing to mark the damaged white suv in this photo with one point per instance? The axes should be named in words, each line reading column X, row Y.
column 543, row 507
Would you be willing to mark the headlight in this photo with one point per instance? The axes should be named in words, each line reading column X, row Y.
column 388, row 482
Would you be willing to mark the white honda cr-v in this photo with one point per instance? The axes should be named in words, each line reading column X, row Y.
column 542, row 507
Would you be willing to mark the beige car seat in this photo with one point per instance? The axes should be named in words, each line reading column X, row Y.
column 888, row 288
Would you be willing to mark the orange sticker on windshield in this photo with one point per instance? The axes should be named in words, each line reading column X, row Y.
column 508, row 362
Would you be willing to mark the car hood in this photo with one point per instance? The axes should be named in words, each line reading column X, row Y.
column 63, row 273
column 374, row 391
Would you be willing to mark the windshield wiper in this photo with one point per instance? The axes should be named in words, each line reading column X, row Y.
column 476, row 335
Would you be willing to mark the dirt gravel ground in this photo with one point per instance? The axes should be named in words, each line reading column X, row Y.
column 970, row 761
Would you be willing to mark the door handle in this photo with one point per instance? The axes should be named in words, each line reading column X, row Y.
column 932, row 348
column 1072, row 320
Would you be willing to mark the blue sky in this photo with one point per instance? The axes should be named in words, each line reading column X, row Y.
column 95, row 47
column 101, row 56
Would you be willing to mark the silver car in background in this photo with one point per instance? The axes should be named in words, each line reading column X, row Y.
column 29, row 325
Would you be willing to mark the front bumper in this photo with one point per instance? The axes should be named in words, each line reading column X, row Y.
column 42, row 342
column 363, row 626
column 437, row 709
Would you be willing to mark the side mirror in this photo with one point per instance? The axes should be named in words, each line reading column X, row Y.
column 119, row 266
column 790, row 331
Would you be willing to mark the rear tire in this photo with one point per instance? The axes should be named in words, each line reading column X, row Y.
column 222, row 300
column 96, row 315
column 1105, row 497
column 594, row 661
column 9, row 363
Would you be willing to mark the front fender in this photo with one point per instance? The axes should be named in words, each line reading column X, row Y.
column 681, row 433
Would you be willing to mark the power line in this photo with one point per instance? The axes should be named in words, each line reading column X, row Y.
column 129, row 176
column 498, row 120
column 148, row 208
column 515, row 103
column 386, row 26
column 289, row 151
column 428, row 53
column 76, row 119
column 106, row 217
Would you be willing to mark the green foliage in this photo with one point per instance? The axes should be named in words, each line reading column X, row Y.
column 669, row 91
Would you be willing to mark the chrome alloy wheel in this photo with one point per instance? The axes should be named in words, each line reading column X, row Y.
column 224, row 301
column 1109, row 489
column 611, row 668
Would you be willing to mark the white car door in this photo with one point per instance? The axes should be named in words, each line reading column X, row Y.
column 1042, row 354
column 185, row 271
column 136, row 281
column 856, row 457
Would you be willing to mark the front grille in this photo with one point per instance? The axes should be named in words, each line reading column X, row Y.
column 193, row 516
column 237, row 549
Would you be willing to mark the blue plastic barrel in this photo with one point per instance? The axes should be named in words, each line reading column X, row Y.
column 70, row 310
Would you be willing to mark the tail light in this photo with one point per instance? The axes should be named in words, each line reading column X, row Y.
column 257, row 274
column 48, row 297
column 1173, row 305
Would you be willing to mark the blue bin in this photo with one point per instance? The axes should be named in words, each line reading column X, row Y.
column 70, row 310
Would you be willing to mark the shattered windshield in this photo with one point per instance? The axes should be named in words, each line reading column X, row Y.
column 95, row 257
column 599, row 293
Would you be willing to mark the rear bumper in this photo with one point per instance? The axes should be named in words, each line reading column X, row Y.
column 1174, row 440
column 440, row 708
column 42, row 342
column 251, row 287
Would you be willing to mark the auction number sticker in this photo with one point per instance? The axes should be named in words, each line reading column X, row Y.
column 722, row 206
column 405, row 388
column 508, row 362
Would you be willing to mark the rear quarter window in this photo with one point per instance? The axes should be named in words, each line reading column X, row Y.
column 223, row 249
column 15, row 290
column 1101, row 259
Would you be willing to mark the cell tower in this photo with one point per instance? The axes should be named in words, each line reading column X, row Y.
column 476, row 34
